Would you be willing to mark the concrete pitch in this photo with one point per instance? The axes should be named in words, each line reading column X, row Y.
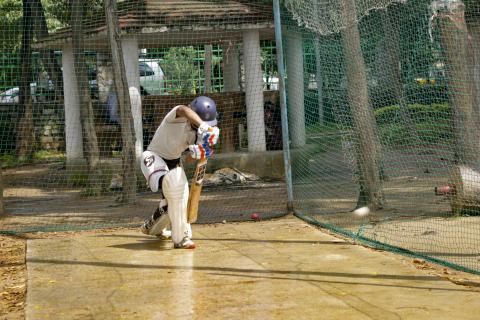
column 283, row 269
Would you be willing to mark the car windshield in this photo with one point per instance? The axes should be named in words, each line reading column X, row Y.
column 145, row 70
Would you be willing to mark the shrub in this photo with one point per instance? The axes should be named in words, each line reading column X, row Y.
column 419, row 113
column 433, row 124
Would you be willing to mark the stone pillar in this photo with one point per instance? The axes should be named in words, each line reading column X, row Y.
column 130, row 58
column 254, row 91
column 73, row 125
column 295, row 88
column 231, row 68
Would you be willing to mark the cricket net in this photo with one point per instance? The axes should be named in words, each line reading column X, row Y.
column 85, row 84
column 383, row 102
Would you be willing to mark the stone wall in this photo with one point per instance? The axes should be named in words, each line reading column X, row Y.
column 49, row 122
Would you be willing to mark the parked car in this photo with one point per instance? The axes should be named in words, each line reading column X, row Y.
column 152, row 81
column 38, row 93
column 152, row 77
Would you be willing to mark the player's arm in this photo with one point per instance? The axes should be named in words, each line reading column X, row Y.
column 190, row 115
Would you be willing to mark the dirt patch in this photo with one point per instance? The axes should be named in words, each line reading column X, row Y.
column 13, row 277
column 13, row 270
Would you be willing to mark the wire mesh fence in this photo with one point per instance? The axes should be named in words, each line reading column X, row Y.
column 386, row 150
column 382, row 101
column 66, row 139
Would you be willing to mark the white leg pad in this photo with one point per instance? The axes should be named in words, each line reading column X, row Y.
column 175, row 190
column 160, row 226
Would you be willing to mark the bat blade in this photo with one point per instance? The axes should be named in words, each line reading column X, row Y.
column 195, row 190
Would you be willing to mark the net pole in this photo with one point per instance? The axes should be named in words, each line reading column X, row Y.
column 283, row 103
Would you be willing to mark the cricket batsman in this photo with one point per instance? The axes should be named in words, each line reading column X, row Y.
column 191, row 128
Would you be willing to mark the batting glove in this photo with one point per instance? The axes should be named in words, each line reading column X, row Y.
column 207, row 135
column 200, row 152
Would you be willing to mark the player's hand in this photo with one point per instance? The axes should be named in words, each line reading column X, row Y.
column 200, row 152
column 207, row 135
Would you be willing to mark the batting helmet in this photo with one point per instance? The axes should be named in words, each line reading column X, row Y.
column 206, row 109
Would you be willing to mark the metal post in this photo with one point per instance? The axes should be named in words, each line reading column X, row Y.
column 283, row 104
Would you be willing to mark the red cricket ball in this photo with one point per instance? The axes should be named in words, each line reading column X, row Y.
column 255, row 216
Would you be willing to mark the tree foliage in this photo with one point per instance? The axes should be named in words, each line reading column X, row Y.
column 179, row 65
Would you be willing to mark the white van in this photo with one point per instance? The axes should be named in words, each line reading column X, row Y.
column 152, row 77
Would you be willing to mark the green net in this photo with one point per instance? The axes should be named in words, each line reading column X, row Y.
column 85, row 84
column 383, row 106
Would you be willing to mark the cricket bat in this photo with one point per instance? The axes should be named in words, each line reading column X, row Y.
column 195, row 190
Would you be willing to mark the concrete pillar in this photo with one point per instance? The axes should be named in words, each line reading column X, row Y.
column 254, row 91
column 73, row 125
column 207, row 67
column 231, row 67
column 295, row 88
column 130, row 58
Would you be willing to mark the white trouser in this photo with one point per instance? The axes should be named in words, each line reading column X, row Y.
column 175, row 190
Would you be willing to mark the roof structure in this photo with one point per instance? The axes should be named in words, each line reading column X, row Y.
column 157, row 23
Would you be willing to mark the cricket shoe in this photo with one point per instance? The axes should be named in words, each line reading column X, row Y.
column 165, row 234
column 186, row 243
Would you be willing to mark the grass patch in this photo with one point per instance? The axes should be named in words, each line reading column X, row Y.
column 78, row 179
column 10, row 160
column 318, row 128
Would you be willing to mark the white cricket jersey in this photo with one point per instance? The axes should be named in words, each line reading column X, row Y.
column 172, row 137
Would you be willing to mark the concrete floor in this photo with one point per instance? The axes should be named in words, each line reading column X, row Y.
column 283, row 269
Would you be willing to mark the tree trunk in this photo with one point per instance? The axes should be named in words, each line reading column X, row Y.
column 319, row 80
column 126, row 119
column 454, row 37
column 90, row 143
column 104, row 76
column 368, row 148
column 48, row 56
column 475, row 33
column 393, row 62
column 318, row 72
column 25, row 126
column 208, row 68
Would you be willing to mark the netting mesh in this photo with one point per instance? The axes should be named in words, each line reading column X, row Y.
column 387, row 147
column 329, row 16
column 83, row 91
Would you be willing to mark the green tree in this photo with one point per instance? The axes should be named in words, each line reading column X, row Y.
column 10, row 42
column 180, row 69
